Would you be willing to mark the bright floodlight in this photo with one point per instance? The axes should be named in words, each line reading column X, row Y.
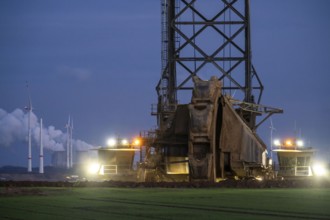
column 111, row 142
column 93, row 168
column 319, row 170
column 300, row 143
column 277, row 142
column 124, row 142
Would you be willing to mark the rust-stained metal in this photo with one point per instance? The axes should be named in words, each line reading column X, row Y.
column 213, row 136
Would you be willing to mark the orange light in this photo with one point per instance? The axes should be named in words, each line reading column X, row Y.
column 136, row 142
column 288, row 143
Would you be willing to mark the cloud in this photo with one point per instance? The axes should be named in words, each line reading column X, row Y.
column 14, row 127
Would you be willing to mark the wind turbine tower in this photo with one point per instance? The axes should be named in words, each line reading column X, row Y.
column 41, row 164
column 68, row 144
column 29, row 109
column 71, row 155
column 69, row 128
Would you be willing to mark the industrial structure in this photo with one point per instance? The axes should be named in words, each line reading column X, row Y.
column 58, row 159
column 209, row 96
column 208, row 111
column 295, row 159
column 114, row 161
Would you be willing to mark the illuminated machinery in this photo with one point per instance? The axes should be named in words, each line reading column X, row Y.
column 295, row 160
column 206, row 62
column 116, row 160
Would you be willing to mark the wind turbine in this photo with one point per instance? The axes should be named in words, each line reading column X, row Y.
column 41, row 163
column 71, row 155
column 69, row 128
column 29, row 109
column 68, row 136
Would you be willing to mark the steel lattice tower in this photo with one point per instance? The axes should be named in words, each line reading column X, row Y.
column 205, row 38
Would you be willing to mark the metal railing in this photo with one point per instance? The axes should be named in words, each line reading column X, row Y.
column 110, row 169
column 303, row 171
column 295, row 170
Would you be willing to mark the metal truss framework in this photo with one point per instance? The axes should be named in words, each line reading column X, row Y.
column 257, row 109
column 186, row 50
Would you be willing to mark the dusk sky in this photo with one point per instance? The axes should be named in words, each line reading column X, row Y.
column 99, row 62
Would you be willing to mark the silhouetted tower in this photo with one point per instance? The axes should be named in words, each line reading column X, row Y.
column 205, row 38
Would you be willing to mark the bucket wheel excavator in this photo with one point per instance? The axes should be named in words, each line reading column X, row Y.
column 206, row 59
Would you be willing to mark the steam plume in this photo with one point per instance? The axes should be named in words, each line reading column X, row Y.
column 14, row 126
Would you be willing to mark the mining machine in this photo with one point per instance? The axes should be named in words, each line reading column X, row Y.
column 209, row 96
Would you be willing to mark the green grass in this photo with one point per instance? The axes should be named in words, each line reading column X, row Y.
column 161, row 203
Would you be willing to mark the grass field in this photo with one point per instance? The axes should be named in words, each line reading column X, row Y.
column 163, row 203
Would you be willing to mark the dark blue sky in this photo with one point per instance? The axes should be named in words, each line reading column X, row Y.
column 99, row 61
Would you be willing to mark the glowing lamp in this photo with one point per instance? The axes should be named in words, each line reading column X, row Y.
column 124, row 142
column 319, row 170
column 270, row 161
column 288, row 143
column 136, row 142
column 111, row 142
column 93, row 168
column 300, row 143
column 277, row 142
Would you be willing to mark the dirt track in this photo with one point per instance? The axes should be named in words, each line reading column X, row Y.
column 310, row 183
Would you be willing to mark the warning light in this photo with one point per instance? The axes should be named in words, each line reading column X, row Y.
column 288, row 143
column 136, row 142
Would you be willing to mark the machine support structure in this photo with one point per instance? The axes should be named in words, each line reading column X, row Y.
column 209, row 96
column 186, row 52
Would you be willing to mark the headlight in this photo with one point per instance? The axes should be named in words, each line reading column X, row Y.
column 94, row 168
column 111, row 142
column 319, row 170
